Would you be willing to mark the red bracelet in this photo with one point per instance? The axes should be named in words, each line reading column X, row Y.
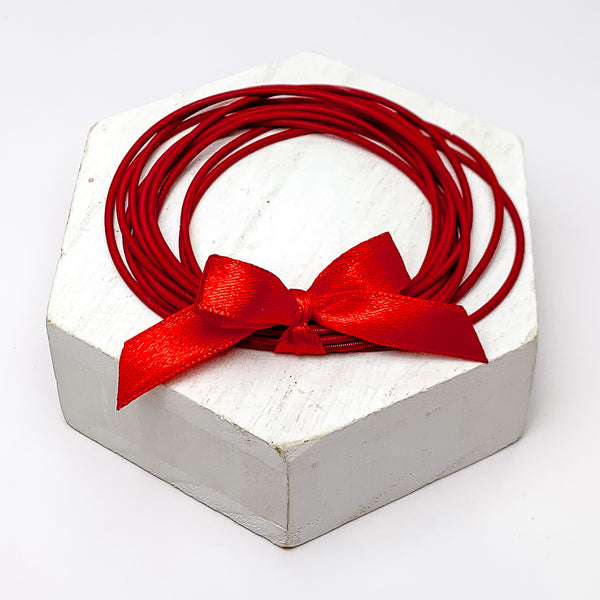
column 263, row 115
column 364, row 300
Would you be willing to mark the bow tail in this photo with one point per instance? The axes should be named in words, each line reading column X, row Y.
column 405, row 323
column 299, row 339
column 173, row 345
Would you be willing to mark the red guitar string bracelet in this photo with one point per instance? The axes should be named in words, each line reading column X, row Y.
column 363, row 300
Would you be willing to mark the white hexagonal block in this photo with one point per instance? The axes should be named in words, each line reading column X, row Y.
column 291, row 447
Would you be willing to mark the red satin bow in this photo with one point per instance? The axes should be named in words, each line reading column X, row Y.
column 357, row 294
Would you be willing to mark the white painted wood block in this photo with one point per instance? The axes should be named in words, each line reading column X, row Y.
column 292, row 447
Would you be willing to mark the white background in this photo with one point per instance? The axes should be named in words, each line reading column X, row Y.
column 77, row 521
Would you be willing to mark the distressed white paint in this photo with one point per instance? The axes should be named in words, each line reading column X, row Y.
column 288, row 446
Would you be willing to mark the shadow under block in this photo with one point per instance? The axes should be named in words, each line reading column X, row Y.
column 292, row 447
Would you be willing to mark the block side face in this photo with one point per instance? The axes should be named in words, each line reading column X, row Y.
column 408, row 445
column 174, row 439
column 248, row 214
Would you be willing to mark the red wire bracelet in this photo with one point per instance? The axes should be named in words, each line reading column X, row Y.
column 434, row 159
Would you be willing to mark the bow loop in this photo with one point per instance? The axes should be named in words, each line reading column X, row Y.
column 245, row 294
column 374, row 264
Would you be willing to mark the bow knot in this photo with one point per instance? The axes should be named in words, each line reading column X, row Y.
column 299, row 338
column 358, row 294
column 305, row 308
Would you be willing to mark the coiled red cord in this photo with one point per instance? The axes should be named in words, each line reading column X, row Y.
column 434, row 159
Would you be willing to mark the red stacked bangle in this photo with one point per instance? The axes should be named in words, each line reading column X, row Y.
column 434, row 159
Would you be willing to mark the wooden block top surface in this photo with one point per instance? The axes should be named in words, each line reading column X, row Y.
column 292, row 208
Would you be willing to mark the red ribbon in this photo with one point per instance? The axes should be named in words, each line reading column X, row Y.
column 357, row 294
